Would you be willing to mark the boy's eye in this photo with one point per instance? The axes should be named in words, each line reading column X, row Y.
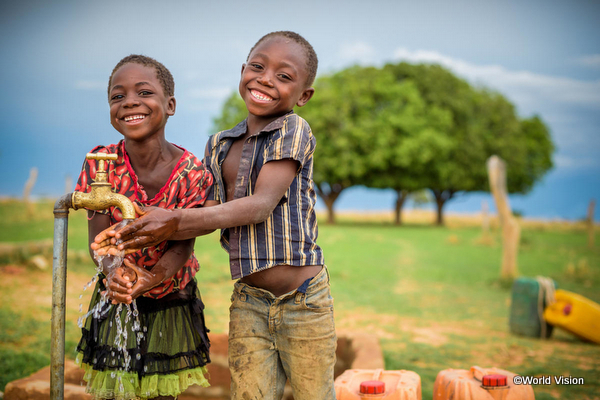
column 117, row 97
column 285, row 76
column 145, row 93
column 256, row 66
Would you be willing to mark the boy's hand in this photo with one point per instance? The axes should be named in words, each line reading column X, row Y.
column 153, row 227
column 129, row 283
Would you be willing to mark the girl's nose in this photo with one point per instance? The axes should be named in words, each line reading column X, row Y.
column 131, row 101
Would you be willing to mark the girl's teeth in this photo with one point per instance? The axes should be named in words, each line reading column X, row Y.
column 134, row 117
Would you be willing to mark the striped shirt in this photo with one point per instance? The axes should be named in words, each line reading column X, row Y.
column 289, row 235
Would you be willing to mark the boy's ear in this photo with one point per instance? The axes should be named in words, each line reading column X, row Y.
column 171, row 105
column 243, row 67
column 306, row 96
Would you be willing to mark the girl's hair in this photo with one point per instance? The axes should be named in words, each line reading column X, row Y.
column 162, row 73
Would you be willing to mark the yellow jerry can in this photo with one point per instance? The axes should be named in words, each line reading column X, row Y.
column 576, row 314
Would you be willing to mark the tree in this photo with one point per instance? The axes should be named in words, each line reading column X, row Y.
column 233, row 112
column 483, row 123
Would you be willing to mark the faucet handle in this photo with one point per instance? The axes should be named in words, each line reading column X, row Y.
column 101, row 157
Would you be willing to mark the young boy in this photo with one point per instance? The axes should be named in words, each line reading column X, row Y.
column 281, row 317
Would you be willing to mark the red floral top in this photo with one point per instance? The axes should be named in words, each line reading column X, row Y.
column 187, row 187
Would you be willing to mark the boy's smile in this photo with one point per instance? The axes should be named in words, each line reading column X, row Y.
column 274, row 79
column 139, row 107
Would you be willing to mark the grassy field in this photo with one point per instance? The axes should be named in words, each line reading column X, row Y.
column 430, row 294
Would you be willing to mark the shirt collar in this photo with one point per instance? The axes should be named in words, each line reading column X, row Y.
column 240, row 129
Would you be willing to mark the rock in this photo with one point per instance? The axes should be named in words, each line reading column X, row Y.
column 37, row 385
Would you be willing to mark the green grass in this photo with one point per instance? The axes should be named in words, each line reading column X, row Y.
column 431, row 294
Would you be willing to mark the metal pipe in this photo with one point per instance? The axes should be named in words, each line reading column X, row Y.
column 59, row 280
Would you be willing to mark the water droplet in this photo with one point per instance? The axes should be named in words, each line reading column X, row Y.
column 138, row 356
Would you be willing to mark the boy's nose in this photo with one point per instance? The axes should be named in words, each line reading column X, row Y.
column 265, row 80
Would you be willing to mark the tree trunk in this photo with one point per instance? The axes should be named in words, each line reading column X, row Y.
column 329, row 197
column 402, row 195
column 441, row 197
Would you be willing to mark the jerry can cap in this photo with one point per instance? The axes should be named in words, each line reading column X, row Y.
column 372, row 387
column 494, row 380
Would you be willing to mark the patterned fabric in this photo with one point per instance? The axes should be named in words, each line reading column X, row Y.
column 187, row 187
column 290, row 233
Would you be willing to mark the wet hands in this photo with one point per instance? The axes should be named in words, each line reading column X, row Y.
column 128, row 282
column 154, row 226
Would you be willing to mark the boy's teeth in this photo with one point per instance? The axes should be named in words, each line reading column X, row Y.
column 134, row 117
column 260, row 96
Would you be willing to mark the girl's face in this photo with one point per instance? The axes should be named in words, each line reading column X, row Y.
column 139, row 108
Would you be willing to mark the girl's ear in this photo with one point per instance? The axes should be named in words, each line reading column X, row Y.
column 171, row 105
column 305, row 97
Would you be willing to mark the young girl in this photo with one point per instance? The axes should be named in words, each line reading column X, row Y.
column 162, row 347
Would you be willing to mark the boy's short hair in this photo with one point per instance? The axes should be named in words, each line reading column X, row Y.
column 162, row 73
column 312, row 62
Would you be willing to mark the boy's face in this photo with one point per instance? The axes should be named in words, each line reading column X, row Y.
column 274, row 78
column 139, row 107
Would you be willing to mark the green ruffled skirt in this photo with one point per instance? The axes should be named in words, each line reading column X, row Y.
column 159, row 352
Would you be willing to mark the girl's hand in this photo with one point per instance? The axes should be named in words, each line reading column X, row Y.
column 130, row 283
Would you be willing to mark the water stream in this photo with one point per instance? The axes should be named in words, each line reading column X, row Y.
column 125, row 314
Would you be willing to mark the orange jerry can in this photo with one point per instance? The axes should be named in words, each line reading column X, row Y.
column 378, row 384
column 576, row 314
column 479, row 384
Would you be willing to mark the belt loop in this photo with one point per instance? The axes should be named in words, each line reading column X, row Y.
column 243, row 296
column 298, row 298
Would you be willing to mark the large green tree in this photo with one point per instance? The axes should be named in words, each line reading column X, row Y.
column 483, row 123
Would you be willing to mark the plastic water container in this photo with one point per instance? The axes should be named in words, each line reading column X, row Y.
column 529, row 299
column 575, row 314
column 378, row 384
column 479, row 384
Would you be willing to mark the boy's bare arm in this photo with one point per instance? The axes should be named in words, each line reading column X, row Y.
column 158, row 225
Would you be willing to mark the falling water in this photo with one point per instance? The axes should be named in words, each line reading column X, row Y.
column 124, row 313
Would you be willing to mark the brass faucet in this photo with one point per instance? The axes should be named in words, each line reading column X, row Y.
column 101, row 196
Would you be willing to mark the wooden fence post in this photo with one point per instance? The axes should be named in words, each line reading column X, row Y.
column 511, row 231
column 33, row 173
column 590, row 223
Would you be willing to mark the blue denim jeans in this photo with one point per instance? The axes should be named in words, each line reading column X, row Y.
column 272, row 339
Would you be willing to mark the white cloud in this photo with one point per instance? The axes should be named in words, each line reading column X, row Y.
column 358, row 52
column 563, row 161
column 592, row 60
column 523, row 86
column 83, row 84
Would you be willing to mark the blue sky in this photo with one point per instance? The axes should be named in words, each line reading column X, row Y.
column 56, row 58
